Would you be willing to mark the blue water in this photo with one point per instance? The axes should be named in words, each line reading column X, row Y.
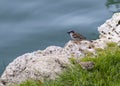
column 29, row 25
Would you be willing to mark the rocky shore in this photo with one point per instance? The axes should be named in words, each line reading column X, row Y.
column 49, row 63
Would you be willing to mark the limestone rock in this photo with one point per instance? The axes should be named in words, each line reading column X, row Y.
column 110, row 30
column 31, row 66
column 78, row 48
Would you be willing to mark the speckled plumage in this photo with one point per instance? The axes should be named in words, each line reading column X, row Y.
column 76, row 36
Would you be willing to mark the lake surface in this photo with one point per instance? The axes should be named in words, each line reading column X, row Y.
column 29, row 25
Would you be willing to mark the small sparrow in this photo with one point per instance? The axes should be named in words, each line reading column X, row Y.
column 76, row 36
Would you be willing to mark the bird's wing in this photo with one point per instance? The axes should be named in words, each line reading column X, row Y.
column 75, row 35
column 81, row 36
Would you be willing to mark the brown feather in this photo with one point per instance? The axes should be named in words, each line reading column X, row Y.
column 77, row 35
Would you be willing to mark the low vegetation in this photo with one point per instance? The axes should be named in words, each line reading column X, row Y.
column 30, row 82
column 106, row 71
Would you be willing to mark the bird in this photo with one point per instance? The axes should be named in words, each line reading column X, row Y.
column 76, row 36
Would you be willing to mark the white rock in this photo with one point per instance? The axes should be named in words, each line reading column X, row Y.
column 99, row 43
column 110, row 31
column 52, row 50
column 30, row 66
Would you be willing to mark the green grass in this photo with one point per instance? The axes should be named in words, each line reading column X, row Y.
column 105, row 73
column 30, row 82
